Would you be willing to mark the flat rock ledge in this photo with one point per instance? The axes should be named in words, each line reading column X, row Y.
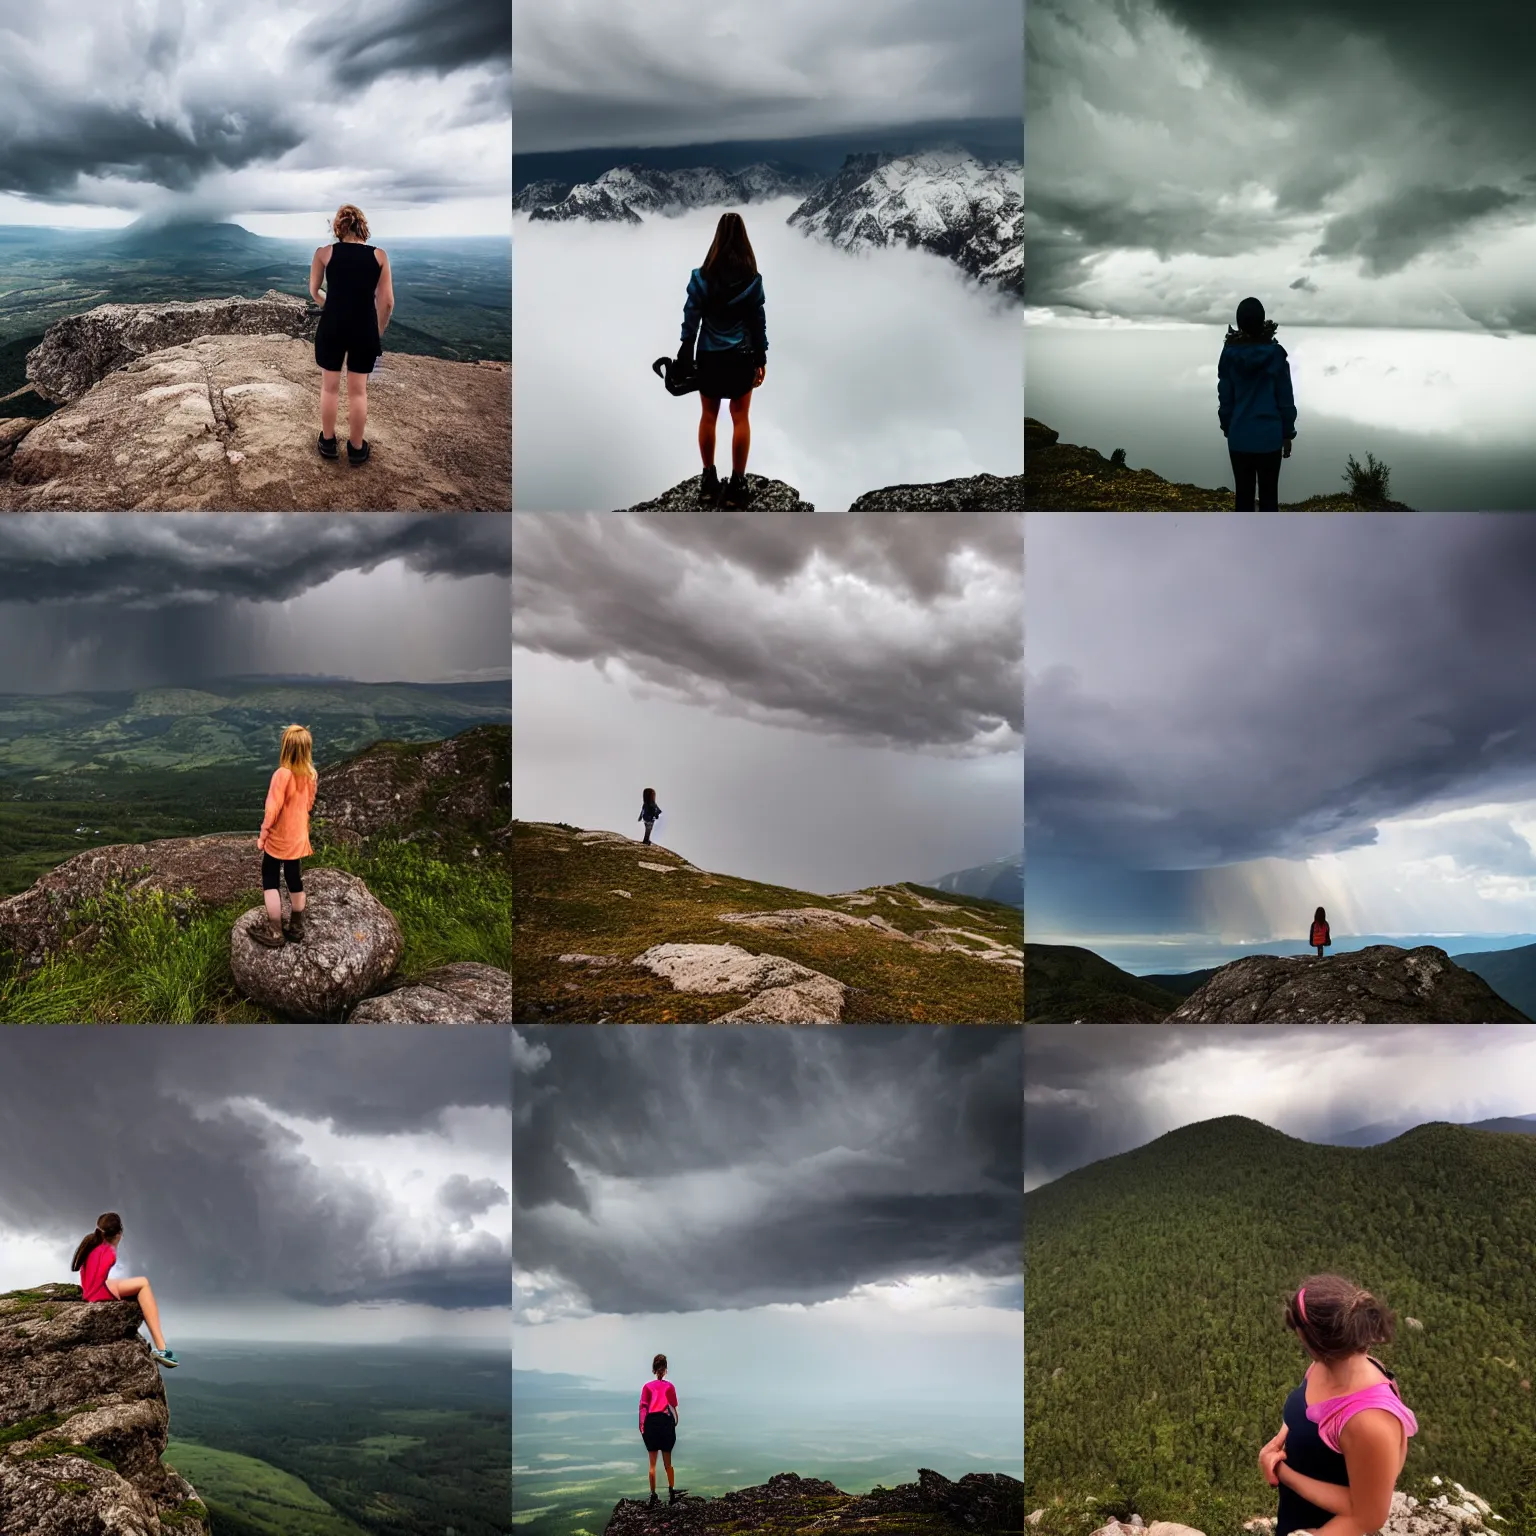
column 767, row 496
column 464, row 992
column 351, row 947
column 786, row 991
column 983, row 1503
column 973, row 493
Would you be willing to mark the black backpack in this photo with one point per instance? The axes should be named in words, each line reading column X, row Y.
column 679, row 374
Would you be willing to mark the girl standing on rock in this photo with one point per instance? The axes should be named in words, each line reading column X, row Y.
column 1344, row 1435
column 359, row 299
column 658, row 1424
column 94, row 1259
column 284, row 839
column 724, row 310
column 650, row 812
column 1255, row 407
column 1320, row 937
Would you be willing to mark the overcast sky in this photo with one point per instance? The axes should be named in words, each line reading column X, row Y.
column 1234, row 719
column 817, row 1210
column 128, row 600
column 658, row 72
column 1093, row 1091
column 1345, row 161
column 321, row 1182
column 271, row 112
column 822, row 702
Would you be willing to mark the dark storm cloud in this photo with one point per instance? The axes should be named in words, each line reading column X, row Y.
column 133, row 1120
column 465, row 1197
column 1388, row 235
column 665, row 595
column 127, row 559
column 1206, row 690
column 364, row 42
column 832, row 1158
column 1396, row 133
column 654, row 72
column 1094, row 1091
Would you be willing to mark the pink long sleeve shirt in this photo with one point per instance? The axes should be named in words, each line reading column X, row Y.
column 656, row 1397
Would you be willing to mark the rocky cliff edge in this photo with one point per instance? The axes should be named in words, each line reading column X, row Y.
column 980, row 1504
column 83, row 1423
column 972, row 493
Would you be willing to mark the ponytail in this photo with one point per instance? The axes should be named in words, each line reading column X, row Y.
column 109, row 1227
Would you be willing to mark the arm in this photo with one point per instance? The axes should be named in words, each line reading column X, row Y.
column 1287, row 401
column 1333, row 1497
column 1223, row 394
column 384, row 294
column 692, row 314
column 1372, row 1442
column 672, row 1401
column 316, row 274
column 277, row 793
column 760, row 325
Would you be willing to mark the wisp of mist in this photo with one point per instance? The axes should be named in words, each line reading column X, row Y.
column 885, row 367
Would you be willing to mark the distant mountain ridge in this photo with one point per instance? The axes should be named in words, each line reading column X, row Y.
column 1383, row 1131
column 999, row 880
column 946, row 201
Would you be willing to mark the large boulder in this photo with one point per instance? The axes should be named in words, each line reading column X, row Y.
column 83, row 1423
column 228, row 423
column 464, row 992
column 79, row 350
column 973, row 493
column 214, row 870
column 1380, row 984
column 767, row 496
column 350, row 949
column 785, row 992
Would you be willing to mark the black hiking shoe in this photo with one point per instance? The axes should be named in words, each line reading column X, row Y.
column 672, row 1494
column 293, row 929
column 654, row 1500
column 737, row 493
column 265, row 933
column 327, row 447
column 709, row 486
column 356, row 456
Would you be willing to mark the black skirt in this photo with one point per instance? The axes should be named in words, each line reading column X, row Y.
column 660, row 1432
column 725, row 375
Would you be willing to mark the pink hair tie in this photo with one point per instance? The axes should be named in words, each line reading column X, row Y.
column 1301, row 1303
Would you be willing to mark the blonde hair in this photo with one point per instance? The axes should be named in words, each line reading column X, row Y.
column 298, row 752
column 349, row 220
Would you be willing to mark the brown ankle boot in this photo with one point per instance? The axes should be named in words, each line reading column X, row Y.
column 294, row 927
column 265, row 932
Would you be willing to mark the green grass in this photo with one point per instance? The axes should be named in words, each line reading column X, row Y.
column 265, row 1499
column 161, row 959
column 564, row 901
column 1066, row 984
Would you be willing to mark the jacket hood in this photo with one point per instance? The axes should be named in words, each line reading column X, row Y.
column 1253, row 356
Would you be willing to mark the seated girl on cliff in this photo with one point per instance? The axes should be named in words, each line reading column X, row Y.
column 650, row 812
column 284, row 839
column 1344, row 1433
column 93, row 1261
column 658, row 1423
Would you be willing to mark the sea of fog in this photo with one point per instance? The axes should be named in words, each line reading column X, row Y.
column 1449, row 412
column 576, row 1452
column 884, row 367
column 1152, row 956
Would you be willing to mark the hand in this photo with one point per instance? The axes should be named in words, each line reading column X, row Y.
column 1270, row 1457
column 1285, row 452
column 759, row 376
column 261, row 843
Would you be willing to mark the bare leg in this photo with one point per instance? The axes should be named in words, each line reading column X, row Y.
column 741, row 433
column 330, row 394
column 138, row 1287
column 357, row 407
column 709, row 414
column 273, row 902
column 653, row 1471
column 296, row 900
column 666, row 1457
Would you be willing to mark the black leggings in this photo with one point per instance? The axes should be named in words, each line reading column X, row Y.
column 1263, row 467
column 289, row 868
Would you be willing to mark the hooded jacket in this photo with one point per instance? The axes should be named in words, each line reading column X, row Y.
column 1255, row 405
column 725, row 316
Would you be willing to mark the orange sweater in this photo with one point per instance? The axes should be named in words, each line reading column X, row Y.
column 285, row 823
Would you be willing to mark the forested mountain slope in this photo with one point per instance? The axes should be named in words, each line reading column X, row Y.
column 1155, row 1360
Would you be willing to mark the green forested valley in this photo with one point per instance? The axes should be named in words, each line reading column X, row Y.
column 1156, row 1364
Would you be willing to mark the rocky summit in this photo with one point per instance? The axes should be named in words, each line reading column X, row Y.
column 981, row 1503
column 83, row 1423
column 161, row 416
column 688, row 496
column 1380, row 984
column 972, row 493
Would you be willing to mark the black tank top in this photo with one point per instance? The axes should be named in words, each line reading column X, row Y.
column 1305, row 1453
column 351, row 276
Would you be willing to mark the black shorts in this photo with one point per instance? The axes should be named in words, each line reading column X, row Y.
column 333, row 346
column 725, row 375
column 660, row 1432
column 290, row 872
